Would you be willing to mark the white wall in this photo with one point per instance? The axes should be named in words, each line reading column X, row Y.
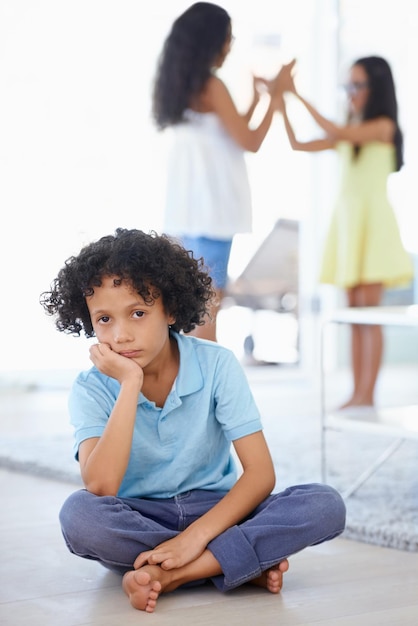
column 74, row 126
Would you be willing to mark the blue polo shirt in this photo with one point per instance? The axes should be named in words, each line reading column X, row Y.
column 186, row 444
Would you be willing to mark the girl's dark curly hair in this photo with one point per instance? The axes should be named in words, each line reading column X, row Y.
column 382, row 100
column 155, row 266
column 192, row 46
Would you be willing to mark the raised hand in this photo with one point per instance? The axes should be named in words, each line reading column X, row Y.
column 279, row 84
column 284, row 79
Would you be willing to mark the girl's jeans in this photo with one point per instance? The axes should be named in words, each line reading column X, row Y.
column 115, row 530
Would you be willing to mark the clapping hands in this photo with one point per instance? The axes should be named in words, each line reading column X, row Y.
column 277, row 86
column 284, row 79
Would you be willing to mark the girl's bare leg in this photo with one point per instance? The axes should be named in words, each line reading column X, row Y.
column 372, row 344
column 352, row 299
column 143, row 586
column 367, row 347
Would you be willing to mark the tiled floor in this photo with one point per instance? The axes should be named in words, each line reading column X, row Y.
column 336, row 584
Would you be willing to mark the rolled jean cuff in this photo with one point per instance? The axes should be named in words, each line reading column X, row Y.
column 237, row 558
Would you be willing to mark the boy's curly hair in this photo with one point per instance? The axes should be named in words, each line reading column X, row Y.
column 155, row 265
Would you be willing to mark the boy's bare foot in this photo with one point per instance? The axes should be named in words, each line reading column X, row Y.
column 272, row 579
column 142, row 588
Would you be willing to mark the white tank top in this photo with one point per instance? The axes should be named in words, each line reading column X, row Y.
column 208, row 192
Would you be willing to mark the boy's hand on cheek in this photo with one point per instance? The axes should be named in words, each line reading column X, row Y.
column 115, row 365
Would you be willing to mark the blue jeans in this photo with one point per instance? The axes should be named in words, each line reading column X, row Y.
column 115, row 530
column 215, row 253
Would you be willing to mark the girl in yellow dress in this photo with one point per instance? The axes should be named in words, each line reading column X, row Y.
column 363, row 251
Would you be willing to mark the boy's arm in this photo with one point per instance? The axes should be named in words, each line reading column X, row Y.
column 253, row 486
column 103, row 461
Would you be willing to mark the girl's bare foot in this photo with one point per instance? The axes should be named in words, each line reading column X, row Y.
column 272, row 579
column 357, row 402
column 142, row 588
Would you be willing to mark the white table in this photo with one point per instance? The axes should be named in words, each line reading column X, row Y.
column 399, row 422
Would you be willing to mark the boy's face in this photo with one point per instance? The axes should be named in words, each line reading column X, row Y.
column 131, row 327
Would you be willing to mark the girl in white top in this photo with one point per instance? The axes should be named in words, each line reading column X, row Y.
column 208, row 193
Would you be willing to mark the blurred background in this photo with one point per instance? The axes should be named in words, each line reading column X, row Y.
column 79, row 155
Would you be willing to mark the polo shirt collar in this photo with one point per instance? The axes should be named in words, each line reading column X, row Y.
column 190, row 377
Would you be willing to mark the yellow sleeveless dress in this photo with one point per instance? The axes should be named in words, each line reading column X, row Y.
column 363, row 244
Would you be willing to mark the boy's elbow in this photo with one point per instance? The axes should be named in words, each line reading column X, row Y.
column 99, row 488
column 269, row 480
column 271, row 483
